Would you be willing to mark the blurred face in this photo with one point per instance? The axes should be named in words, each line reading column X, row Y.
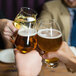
column 71, row 3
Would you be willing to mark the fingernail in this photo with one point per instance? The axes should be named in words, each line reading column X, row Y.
column 15, row 29
column 44, row 56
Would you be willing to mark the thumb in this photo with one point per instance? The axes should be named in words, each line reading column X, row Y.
column 50, row 55
column 16, row 51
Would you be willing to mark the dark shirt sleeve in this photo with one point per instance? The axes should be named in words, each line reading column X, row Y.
column 2, row 45
column 1, row 15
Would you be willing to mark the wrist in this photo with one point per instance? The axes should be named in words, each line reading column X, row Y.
column 71, row 66
column 25, row 73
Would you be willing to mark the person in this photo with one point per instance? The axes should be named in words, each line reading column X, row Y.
column 63, row 11
column 60, row 10
column 28, row 64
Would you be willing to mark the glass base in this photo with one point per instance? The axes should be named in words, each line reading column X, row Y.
column 52, row 65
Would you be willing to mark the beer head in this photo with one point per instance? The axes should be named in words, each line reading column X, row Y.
column 27, row 32
column 49, row 33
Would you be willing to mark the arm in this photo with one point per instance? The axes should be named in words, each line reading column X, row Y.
column 28, row 64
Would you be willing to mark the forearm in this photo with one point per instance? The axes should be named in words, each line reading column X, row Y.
column 71, row 66
column 72, row 60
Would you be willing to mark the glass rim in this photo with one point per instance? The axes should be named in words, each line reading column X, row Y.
column 33, row 11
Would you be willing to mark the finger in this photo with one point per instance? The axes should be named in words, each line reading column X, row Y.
column 8, row 37
column 36, row 53
column 16, row 51
column 40, row 51
column 7, row 29
column 50, row 55
column 12, row 28
column 7, row 33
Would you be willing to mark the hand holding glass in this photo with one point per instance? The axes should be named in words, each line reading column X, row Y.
column 49, row 39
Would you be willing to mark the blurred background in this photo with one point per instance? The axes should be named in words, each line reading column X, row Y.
column 10, row 8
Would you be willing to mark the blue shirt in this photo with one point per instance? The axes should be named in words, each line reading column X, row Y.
column 71, row 19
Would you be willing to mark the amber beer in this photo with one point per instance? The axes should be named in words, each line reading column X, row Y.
column 26, row 40
column 49, row 40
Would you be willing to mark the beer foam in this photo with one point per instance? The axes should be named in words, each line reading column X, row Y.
column 30, row 19
column 46, row 33
column 27, row 32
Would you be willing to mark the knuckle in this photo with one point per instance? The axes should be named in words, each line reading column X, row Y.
column 4, row 33
column 40, row 57
column 7, row 22
column 5, row 29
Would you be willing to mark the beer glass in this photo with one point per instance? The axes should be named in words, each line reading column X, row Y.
column 26, row 36
column 49, row 39
column 25, row 16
